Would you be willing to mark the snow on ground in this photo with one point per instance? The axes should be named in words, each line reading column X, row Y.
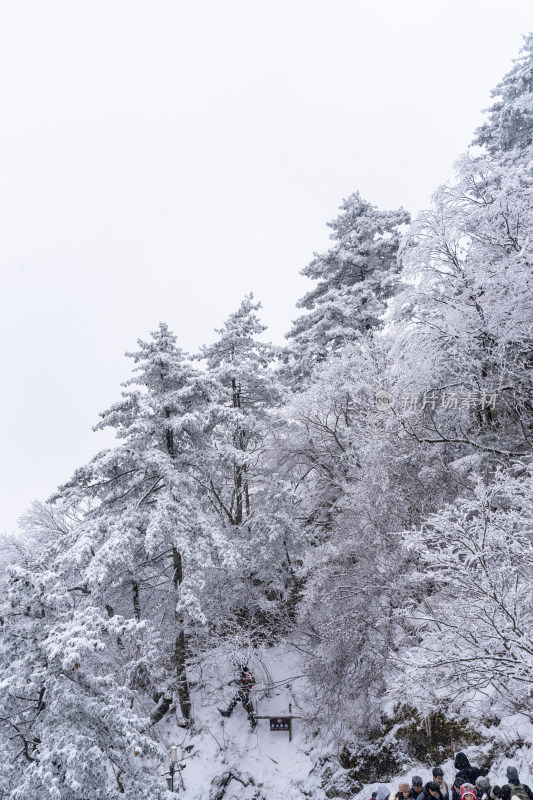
column 219, row 746
column 270, row 767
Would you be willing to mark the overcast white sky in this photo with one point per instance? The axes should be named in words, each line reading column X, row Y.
column 159, row 159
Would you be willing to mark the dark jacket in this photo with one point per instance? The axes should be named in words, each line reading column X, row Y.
column 507, row 790
column 465, row 772
column 444, row 792
column 453, row 794
column 424, row 794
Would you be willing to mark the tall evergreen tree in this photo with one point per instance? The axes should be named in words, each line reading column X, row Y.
column 355, row 278
column 69, row 724
column 142, row 533
column 510, row 123
column 243, row 480
column 241, row 366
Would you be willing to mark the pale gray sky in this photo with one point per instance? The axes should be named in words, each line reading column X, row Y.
column 159, row 159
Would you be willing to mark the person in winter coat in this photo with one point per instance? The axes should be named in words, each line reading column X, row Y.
column 496, row 793
column 245, row 684
column 483, row 788
column 465, row 771
column 404, row 792
column 383, row 792
column 468, row 791
column 416, row 787
column 514, row 788
column 431, row 791
column 438, row 777
column 456, row 788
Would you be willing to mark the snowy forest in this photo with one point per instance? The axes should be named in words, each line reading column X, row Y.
column 348, row 517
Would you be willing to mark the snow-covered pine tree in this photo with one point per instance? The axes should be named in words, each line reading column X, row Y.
column 242, row 478
column 509, row 128
column 142, row 542
column 355, row 278
column 241, row 366
column 69, row 724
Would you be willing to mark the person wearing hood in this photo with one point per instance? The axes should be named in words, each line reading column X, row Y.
column 483, row 788
column 383, row 792
column 514, row 788
column 468, row 792
column 465, row 772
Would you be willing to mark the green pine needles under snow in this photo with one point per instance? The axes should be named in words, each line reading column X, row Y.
column 370, row 559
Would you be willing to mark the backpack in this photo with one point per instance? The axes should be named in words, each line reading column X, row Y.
column 518, row 792
column 248, row 680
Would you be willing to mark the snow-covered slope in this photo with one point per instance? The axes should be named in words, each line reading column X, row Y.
column 225, row 758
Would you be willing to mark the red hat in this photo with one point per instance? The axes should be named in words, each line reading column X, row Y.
column 467, row 788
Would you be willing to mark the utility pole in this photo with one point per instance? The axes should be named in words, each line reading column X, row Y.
column 173, row 762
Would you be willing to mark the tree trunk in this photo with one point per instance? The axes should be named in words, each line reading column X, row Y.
column 242, row 497
column 180, row 653
column 169, row 437
column 180, row 646
column 237, row 480
column 136, row 602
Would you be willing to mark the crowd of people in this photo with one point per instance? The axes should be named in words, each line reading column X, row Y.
column 468, row 784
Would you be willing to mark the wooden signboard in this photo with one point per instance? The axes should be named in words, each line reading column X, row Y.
column 280, row 724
